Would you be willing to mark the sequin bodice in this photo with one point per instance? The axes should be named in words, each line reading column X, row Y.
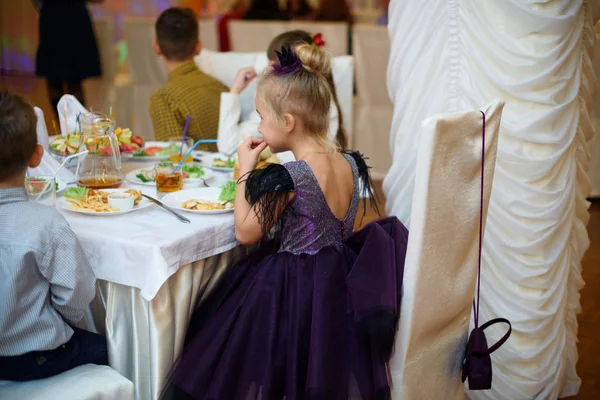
column 308, row 222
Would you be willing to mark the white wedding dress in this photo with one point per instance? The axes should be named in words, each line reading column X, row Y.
column 454, row 55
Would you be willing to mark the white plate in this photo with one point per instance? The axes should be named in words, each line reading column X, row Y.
column 131, row 177
column 176, row 199
column 164, row 145
column 65, row 205
column 208, row 158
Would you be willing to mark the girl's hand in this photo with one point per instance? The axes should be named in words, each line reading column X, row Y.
column 242, row 80
column 249, row 152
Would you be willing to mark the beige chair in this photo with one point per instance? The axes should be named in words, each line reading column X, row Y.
column 335, row 34
column 374, row 110
column 209, row 34
column 86, row 382
column 442, row 257
column 147, row 70
column 254, row 36
column 100, row 92
column 594, row 166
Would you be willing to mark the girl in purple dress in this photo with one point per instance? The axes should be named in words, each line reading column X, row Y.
column 311, row 314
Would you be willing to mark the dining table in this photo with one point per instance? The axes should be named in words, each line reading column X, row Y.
column 152, row 271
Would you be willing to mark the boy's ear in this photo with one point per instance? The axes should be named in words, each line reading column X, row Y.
column 198, row 48
column 156, row 47
column 36, row 157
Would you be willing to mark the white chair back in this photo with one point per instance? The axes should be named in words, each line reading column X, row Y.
column 86, row 382
column 335, row 34
column 41, row 129
column 145, row 67
column 147, row 70
column 254, row 36
column 209, row 34
column 374, row 109
column 594, row 166
column 442, row 257
column 224, row 67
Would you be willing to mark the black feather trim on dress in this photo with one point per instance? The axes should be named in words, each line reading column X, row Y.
column 267, row 189
column 365, row 179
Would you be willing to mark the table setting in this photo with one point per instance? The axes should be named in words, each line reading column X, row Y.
column 154, row 263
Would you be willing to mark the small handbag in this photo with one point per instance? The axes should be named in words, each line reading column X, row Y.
column 477, row 365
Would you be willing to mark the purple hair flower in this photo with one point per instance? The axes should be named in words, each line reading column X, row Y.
column 288, row 62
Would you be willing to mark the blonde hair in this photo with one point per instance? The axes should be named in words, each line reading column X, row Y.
column 304, row 93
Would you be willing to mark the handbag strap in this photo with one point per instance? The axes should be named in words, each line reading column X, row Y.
column 476, row 308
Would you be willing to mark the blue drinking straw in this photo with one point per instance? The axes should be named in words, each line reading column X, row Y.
column 190, row 152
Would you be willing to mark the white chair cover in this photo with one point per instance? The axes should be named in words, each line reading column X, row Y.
column 594, row 168
column 254, row 36
column 148, row 71
column 374, row 109
column 42, row 131
column 70, row 107
column 442, row 257
column 49, row 164
column 100, row 92
column 537, row 57
column 87, row 382
column 209, row 34
column 224, row 67
column 335, row 34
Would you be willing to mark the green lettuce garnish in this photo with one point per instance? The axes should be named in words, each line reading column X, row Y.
column 192, row 171
column 228, row 191
column 76, row 193
column 143, row 178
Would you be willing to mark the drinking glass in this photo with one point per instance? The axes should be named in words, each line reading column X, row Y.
column 167, row 181
column 34, row 186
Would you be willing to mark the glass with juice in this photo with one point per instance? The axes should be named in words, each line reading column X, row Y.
column 167, row 181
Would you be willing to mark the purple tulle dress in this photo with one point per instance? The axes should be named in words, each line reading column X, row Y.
column 312, row 314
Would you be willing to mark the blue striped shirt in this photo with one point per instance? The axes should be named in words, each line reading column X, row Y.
column 46, row 282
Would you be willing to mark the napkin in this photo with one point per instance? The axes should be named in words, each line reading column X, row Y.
column 49, row 166
column 42, row 131
column 72, row 107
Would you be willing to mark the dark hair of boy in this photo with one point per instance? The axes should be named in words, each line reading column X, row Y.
column 177, row 33
column 294, row 38
column 18, row 137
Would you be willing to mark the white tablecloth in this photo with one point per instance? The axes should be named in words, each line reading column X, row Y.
column 144, row 248
column 152, row 272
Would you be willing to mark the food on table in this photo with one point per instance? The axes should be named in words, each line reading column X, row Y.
column 66, row 145
column 204, row 205
column 228, row 192
column 84, row 199
column 158, row 151
column 192, row 171
column 220, row 163
column 127, row 142
column 146, row 175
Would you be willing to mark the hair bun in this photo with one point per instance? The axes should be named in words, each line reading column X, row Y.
column 314, row 59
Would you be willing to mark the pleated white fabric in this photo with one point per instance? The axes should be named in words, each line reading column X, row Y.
column 452, row 55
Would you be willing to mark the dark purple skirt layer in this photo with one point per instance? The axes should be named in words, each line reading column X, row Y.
column 300, row 326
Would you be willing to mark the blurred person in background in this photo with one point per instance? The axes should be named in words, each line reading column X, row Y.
column 334, row 10
column 265, row 10
column 67, row 51
column 236, row 11
column 300, row 10
column 383, row 17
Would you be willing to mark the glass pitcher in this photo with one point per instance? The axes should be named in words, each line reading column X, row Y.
column 101, row 167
